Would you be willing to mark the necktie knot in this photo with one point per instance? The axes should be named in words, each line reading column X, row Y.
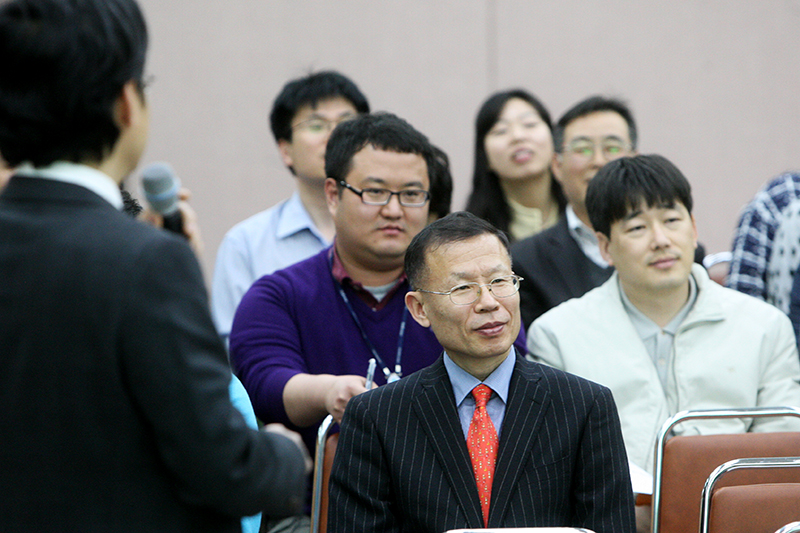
column 481, row 393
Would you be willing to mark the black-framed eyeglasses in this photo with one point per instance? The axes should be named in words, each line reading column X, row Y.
column 374, row 196
column 468, row 293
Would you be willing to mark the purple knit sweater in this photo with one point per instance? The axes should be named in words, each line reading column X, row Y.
column 294, row 321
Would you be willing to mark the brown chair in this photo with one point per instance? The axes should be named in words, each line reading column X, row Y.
column 683, row 463
column 323, row 462
column 760, row 508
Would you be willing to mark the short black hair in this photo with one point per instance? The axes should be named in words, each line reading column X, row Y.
column 385, row 131
column 63, row 64
column 455, row 227
column 621, row 186
column 441, row 184
column 487, row 199
column 310, row 90
column 594, row 104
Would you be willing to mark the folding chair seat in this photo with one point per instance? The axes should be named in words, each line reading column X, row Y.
column 760, row 508
column 683, row 463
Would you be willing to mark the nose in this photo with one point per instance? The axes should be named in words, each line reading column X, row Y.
column 660, row 237
column 517, row 131
column 393, row 209
column 486, row 301
column 599, row 159
column 328, row 130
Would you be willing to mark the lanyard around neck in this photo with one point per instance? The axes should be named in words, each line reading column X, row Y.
column 398, row 370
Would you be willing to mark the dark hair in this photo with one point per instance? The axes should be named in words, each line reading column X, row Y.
column 385, row 131
column 63, row 64
column 441, row 183
column 487, row 199
column 621, row 186
column 594, row 104
column 455, row 227
column 310, row 90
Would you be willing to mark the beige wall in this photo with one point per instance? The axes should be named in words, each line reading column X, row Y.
column 713, row 84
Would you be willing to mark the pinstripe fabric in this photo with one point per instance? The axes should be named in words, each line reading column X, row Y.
column 402, row 461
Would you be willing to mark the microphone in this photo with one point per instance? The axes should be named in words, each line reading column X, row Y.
column 161, row 190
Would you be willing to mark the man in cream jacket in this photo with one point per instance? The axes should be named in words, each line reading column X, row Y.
column 659, row 333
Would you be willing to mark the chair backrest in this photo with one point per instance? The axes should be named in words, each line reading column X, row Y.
column 718, row 266
column 760, row 508
column 682, row 464
column 323, row 462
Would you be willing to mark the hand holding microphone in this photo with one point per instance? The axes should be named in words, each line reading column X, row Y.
column 169, row 207
column 161, row 190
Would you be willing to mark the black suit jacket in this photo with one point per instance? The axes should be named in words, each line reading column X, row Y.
column 402, row 462
column 114, row 396
column 555, row 269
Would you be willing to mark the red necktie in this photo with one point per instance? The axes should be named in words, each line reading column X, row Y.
column 482, row 446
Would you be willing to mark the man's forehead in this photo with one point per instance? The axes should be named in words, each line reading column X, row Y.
column 642, row 206
column 603, row 123
column 480, row 255
column 340, row 104
column 379, row 163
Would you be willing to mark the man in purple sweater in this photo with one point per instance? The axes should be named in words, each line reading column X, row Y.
column 302, row 337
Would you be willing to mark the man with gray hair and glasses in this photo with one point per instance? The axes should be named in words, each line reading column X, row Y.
column 481, row 437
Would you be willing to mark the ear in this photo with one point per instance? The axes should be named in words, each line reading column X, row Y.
column 417, row 308
column 694, row 230
column 284, row 149
column 332, row 195
column 128, row 107
column 604, row 243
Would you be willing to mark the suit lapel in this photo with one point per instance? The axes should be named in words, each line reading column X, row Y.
column 436, row 409
column 565, row 259
column 527, row 405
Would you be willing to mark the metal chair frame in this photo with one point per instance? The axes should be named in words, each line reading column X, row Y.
column 683, row 416
column 319, row 465
column 736, row 464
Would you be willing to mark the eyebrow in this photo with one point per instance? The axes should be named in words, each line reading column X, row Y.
column 632, row 215
column 604, row 138
column 381, row 181
column 315, row 115
column 659, row 205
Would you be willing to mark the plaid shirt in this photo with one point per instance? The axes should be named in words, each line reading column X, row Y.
column 755, row 234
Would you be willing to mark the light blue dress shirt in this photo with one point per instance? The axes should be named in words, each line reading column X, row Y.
column 463, row 383
column 271, row 240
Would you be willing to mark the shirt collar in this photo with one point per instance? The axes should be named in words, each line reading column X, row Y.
column 646, row 327
column 585, row 237
column 84, row 176
column 576, row 225
column 295, row 218
column 340, row 274
column 463, row 382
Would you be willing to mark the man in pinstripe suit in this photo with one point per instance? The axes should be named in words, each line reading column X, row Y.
column 402, row 463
